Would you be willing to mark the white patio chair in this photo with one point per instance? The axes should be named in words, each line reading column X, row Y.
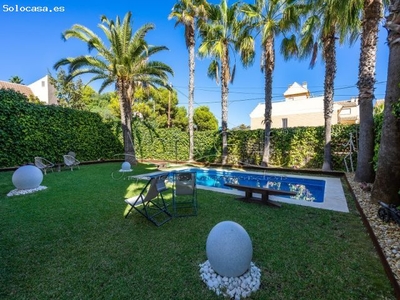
column 43, row 164
column 71, row 162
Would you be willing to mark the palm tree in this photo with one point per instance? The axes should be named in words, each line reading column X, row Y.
column 16, row 79
column 124, row 63
column 270, row 18
column 223, row 35
column 327, row 22
column 185, row 12
column 372, row 14
column 387, row 183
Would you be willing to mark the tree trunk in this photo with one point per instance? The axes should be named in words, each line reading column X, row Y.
column 191, row 99
column 387, row 183
column 126, row 120
column 366, row 81
column 269, row 64
column 330, row 74
column 225, row 76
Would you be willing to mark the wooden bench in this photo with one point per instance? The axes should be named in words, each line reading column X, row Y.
column 265, row 192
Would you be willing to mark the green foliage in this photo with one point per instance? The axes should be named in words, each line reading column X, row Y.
column 204, row 119
column 69, row 93
column 173, row 144
column 378, row 121
column 89, row 96
column 396, row 109
column 300, row 147
column 297, row 147
column 161, row 144
column 245, row 146
column 207, row 146
column 156, row 104
column 35, row 99
column 341, row 135
column 16, row 79
column 180, row 119
column 29, row 130
column 241, row 127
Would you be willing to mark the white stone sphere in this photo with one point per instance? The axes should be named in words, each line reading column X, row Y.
column 229, row 249
column 126, row 166
column 27, row 177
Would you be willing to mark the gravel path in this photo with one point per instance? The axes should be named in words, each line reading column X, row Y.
column 387, row 234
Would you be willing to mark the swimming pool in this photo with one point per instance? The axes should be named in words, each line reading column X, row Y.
column 307, row 189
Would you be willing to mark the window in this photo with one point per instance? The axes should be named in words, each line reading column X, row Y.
column 284, row 123
column 346, row 111
column 43, row 83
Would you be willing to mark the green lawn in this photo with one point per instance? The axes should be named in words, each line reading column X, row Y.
column 71, row 241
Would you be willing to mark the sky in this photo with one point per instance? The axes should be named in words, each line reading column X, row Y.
column 31, row 44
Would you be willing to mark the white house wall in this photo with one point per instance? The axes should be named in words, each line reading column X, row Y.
column 299, row 112
column 44, row 90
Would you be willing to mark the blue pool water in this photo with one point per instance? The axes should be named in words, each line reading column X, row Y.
column 307, row 189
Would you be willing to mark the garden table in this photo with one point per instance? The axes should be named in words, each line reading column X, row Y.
column 265, row 192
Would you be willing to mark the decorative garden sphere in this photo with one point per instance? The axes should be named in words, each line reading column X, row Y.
column 126, row 167
column 229, row 249
column 27, row 177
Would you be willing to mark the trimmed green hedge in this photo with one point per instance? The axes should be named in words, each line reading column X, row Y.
column 300, row 147
column 28, row 130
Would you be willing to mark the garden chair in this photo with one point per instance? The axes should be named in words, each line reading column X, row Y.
column 71, row 162
column 43, row 164
column 71, row 153
column 184, row 201
column 150, row 202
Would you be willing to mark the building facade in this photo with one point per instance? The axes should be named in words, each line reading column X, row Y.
column 299, row 108
column 44, row 90
column 41, row 88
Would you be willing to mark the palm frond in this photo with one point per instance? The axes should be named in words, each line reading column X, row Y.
column 233, row 73
column 289, row 47
column 213, row 71
column 314, row 55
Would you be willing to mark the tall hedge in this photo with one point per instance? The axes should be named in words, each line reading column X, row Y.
column 28, row 130
column 300, row 147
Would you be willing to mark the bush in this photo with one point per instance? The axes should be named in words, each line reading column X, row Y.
column 28, row 130
column 301, row 147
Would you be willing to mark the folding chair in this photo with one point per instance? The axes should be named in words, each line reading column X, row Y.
column 184, row 201
column 150, row 202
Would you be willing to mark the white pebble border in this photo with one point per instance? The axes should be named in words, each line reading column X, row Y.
column 232, row 287
column 17, row 192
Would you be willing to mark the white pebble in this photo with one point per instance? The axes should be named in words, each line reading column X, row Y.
column 232, row 287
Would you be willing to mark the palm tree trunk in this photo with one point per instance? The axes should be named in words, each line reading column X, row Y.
column 269, row 64
column 387, row 183
column 126, row 120
column 225, row 74
column 330, row 74
column 366, row 81
column 191, row 100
